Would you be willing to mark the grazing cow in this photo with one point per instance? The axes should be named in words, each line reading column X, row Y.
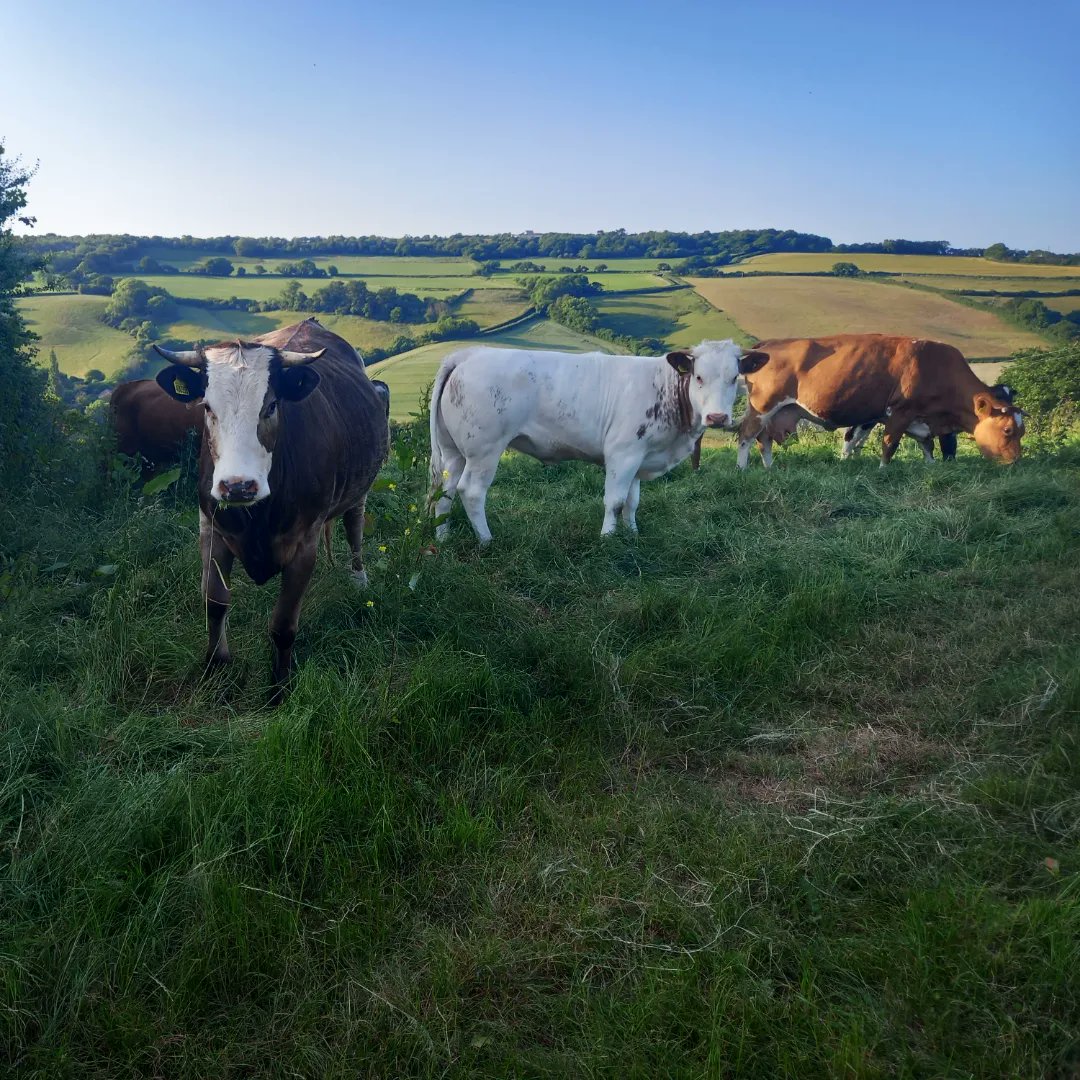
column 638, row 416
column 150, row 422
column 924, row 388
column 855, row 437
column 295, row 435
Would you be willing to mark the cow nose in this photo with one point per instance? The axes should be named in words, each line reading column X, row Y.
column 235, row 489
column 717, row 419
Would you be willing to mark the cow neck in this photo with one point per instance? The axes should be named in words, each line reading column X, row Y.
column 683, row 409
column 974, row 387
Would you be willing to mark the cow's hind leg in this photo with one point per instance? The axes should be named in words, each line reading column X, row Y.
column 854, row 439
column 295, row 578
column 217, row 563
column 444, row 488
column 629, row 508
column 354, row 531
column 473, row 487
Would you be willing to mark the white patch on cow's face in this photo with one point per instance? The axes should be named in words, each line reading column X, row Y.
column 236, row 383
column 714, row 381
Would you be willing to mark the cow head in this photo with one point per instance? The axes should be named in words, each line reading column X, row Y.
column 709, row 376
column 241, row 384
column 998, row 427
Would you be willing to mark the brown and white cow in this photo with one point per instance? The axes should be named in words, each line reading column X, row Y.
column 295, row 434
column 923, row 388
column 151, row 423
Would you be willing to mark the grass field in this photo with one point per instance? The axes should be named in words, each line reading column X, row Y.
column 404, row 265
column 409, row 374
column 491, row 306
column 71, row 325
column 805, row 307
column 961, row 284
column 264, row 288
column 622, row 265
column 680, row 317
column 808, row 262
column 786, row 787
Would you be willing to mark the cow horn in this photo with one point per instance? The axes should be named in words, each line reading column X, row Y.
column 191, row 358
column 294, row 359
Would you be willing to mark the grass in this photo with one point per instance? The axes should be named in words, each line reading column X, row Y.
column 808, row 262
column 492, row 306
column 680, row 317
column 71, row 325
column 787, row 786
column 405, row 265
column 264, row 288
column 960, row 283
column 410, row 374
column 805, row 307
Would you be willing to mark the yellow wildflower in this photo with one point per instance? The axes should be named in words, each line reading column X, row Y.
column 370, row 603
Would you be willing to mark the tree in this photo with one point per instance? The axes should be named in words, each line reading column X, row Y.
column 845, row 269
column 54, row 384
column 241, row 271
column 332, row 270
column 1046, row 380
column 24, row 420
column 94, row 375
column 998, row 252
column 259, row 269
column 218, row 266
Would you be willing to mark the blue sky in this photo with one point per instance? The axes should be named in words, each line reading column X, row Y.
column 946, row 120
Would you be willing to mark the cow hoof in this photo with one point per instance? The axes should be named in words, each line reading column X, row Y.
column 359, row 578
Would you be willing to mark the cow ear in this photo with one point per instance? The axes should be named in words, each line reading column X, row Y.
column 984, row 405
column 295, row 383
column 185, row 384
column 752, row 361
column 681, row 361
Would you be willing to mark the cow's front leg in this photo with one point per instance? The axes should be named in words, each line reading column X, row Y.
column 751, row 426
column 629, row 508
column 765, row 445
column 854, row 438
column 286, row 617
column 217, row 563
column 620, row 477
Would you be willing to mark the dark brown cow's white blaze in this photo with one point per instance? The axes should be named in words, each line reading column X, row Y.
column 287, row 448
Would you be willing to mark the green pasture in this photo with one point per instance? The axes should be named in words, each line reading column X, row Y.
column 786, row 786
column 809, row 262
column 962, row 284
column 492, row 306
column 360, row 265
column 71, row 324
column 680, row 317
column 410, row 374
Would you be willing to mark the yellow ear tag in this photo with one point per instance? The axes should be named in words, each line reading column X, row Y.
column 180, row 387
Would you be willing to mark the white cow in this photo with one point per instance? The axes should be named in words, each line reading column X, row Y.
column 638, row 416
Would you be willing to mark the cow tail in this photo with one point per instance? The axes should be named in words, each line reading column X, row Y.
column 445, row 370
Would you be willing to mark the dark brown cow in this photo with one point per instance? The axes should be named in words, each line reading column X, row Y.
column 150, row 423
column 924, row 388
column 295, row 435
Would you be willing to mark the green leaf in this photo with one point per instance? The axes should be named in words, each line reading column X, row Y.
column 106, row 569
column 161, row 481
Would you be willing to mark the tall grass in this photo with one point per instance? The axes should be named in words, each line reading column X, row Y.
column 786, row 786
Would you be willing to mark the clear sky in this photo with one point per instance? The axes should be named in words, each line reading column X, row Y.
column 949, row 120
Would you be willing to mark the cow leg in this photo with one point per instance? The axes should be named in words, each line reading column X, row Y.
column 751, row 426
column 295, row 578
column 927, row 446
column 765, row 446
column 895, row 427
column 473, row 488
column 629, row 508
column 454, row 466
column 619, row 480
column 217, row 563
column 948, row 446
column 354, row 531
column 854, row 440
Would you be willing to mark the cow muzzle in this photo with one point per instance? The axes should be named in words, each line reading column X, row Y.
column 717, row 420
column 235, row 490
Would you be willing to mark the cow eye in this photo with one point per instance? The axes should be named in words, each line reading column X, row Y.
column 699, row 379
column 271, row 408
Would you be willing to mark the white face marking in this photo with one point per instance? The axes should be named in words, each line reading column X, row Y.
column 236, row 382
column 715, row 379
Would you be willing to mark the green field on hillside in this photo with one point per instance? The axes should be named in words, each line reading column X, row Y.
column 398, row 265
column 492, row 306
column 808, row 262
column 409, row 374
column 784, row 787
column 680, row 317
column 962, row 284
column 251, row 287
column 771, row 307
column 71, row 325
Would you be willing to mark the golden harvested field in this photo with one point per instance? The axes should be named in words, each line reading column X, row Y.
column 807, row 307
column 813, row 262
column 966, row 283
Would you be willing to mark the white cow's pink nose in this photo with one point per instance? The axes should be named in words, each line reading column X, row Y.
column 716, row 419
